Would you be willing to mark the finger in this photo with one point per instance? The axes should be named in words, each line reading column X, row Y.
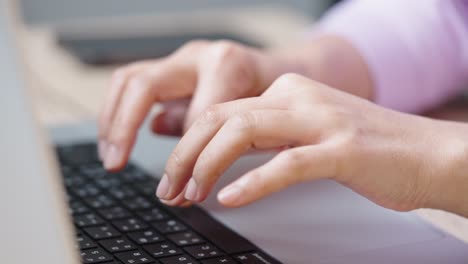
column 186, row 204
column 260, row 129
column 118, row 83
column 179, row 200
column 170, row 121
column 160, row 83
column 226, row 72
column 173, row 78
column 181, row 161
column 287, row 168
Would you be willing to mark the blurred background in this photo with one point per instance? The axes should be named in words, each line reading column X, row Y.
column 72, row 47
column 118, row 31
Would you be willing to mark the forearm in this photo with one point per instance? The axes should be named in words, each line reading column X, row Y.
column 328, row 59
column 381, row 50
column 449, row 189
column 416, row 52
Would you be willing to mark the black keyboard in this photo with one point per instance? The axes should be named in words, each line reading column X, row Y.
column 119, row 220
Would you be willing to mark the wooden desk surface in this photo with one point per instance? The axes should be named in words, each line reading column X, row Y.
column 67, row 91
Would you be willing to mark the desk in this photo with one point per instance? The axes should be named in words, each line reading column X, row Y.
column 67, row 91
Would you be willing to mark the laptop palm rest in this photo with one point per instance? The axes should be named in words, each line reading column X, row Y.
column 317, row 222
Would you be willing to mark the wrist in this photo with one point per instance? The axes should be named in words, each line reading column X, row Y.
column 450, row 185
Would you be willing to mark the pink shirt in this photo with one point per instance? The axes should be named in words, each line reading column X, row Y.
column 416, row 50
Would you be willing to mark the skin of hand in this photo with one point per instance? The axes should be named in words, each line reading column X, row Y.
column 204, row 73
column 396, row 160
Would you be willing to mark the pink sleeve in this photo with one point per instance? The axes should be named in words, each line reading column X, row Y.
column 417, row 51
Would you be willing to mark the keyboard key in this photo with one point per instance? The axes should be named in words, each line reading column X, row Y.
column 93, row 171
column 96, row 255
column 70, row 198
column 130, row 224
column 154, row 214
column 117, row 244
column 220, row 260
column 137, row 203
column 203, row 251
column 162, row 250
column 145, row 237
column 114, row 213
column 126, row 199
column 169, row 226
column 107, row 183
column 79, row 154
column 66, row 171
column 215, row 232
column 147, row 188
column 134, row 257
column 122, row 192
column 182, row 259
column 131, row 174
column 88, row 220
column 185, row 239
column 86, row 190
column 254, row 258
column 85, row 242
column 77, row 207
column 101, row 232
column 100, row 201
column 74, row 180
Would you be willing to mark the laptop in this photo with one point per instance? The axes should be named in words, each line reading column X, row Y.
column 59, row 206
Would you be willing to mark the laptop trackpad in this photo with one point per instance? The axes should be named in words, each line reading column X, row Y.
column 317, row 221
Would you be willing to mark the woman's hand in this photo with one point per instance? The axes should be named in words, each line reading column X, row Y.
column 397, row 160
column 207, row 72
column 202, row 74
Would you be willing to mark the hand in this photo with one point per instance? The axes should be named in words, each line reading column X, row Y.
column 205, row 72
column 396, row 160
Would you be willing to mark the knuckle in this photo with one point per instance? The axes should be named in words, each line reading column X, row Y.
column 291, row 158
column 233, row 62
column 223, row 51
column 174, row 162
column 194, row 45
column 212, row 115
column 288, row 80
column 139, row 82
column 244, row 122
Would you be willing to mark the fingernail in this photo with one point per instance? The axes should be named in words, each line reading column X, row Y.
column 230, row 195
column 165, row 202
column 163, row 187
column 113, row 157
column 102, row 147
column 191, row 192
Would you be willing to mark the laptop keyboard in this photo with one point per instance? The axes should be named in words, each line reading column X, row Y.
column 119, row 220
